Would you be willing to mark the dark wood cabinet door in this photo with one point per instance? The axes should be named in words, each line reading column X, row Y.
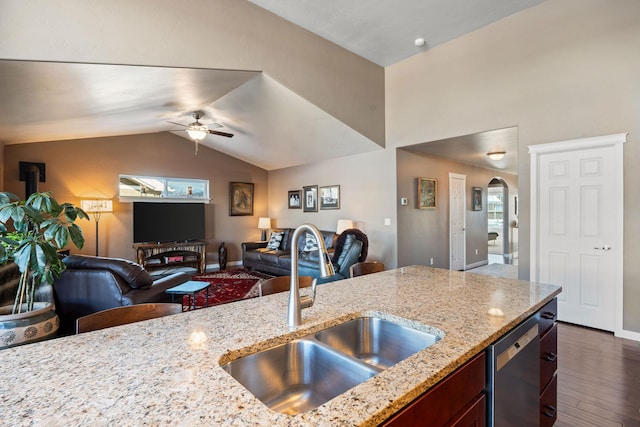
column 474, row 415
column 548, row 403
column 445, row 401
column 548, row 356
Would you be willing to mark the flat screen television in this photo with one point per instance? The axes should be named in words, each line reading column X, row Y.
column 167, row 222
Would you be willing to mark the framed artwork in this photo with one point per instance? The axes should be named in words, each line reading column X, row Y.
column 330, row 197
column 295, row 198
column 240, row 198
column 310, row 198
column 476, row 198
column 427, row 193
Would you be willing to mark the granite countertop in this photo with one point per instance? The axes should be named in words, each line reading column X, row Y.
column 166, row 371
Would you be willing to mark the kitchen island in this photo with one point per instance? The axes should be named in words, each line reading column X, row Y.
column 167, row 371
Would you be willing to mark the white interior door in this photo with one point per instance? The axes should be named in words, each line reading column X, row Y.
column 579, row 232
column 457, row 221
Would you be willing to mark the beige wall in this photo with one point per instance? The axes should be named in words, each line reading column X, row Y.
column 364, row 182
column 424, row 233
column 226, row 34
column 89, row 168
column 561, row 70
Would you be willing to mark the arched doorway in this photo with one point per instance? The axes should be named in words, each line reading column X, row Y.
column 500, row 224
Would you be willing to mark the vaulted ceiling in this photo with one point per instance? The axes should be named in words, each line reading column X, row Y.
column 384, row 31
column 273, row 126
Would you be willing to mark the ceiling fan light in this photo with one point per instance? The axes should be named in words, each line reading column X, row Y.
column 197, row 134
column 496, row 155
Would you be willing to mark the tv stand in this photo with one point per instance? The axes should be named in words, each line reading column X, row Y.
column 154, row 256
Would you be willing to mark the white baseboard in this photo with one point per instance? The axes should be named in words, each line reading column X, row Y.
column 630, row 335
column 476, row 264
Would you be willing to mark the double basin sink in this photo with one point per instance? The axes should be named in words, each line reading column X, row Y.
column 302, row 374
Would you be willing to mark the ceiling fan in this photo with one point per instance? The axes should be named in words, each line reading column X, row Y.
column 197, row 131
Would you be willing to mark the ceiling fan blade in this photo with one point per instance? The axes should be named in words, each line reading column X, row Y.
column 174, row 123
column 217, row 132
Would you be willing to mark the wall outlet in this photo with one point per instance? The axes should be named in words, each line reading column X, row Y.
column 476, row 252
column 431, row 261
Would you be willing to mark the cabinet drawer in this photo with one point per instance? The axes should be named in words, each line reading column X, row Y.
column 446, row 399
column 548, row 356
column 547, row 316
column 549, row 403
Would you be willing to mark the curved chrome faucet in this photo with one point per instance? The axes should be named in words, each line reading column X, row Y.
column 296, row 304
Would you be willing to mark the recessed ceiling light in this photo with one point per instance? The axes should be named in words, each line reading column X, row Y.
column 419, row 42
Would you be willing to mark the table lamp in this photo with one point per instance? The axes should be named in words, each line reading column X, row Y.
column 264, row 224
column 343, row 224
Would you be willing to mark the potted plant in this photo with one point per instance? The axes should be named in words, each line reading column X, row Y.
column 31, row 233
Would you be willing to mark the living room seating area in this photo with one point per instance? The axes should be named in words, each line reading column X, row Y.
column 274, row 256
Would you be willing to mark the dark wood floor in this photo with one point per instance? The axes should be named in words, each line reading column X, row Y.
column 598, row 379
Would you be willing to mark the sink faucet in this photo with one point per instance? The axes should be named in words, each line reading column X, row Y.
column 296, row 304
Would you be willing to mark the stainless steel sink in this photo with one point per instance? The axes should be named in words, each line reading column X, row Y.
column 298, row 376
column 377, row 342
column 302, row 374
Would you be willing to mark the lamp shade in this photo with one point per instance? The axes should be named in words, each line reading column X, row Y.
column 343, row 224
column 98, row 205
column 264, row 223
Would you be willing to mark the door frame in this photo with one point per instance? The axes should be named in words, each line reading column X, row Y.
column 614, row 141
column 464, row 220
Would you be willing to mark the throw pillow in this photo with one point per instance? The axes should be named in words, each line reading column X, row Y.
column 310, row 243
column 274, row 241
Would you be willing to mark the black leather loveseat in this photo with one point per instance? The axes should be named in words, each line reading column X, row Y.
column 90, row 284
column 274, row 257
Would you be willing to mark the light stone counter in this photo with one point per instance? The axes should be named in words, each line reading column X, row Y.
column 160, row 372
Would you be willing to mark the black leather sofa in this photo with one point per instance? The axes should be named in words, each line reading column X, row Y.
column 90, row 284
column 345, row 250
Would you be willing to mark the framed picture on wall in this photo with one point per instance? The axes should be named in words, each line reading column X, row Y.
column 295, row 199
column 240, row 198
column 476, row 198
column 427, row 193
column 310, row 198
column 330, row 197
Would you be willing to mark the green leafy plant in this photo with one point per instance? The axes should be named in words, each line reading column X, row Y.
column 31, row 233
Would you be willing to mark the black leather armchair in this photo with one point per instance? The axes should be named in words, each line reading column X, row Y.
column 90, row 284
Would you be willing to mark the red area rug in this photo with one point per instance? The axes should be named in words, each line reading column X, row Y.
column 226, row 286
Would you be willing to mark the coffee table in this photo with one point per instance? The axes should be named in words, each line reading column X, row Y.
column 191, row 288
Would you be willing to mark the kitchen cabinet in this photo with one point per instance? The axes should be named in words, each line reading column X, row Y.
column 548, row 363
column 458, row 400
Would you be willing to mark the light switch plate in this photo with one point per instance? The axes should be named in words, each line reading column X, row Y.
column 387, row 221
column 404, row 201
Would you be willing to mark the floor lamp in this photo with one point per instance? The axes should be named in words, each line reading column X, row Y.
column 96, row 207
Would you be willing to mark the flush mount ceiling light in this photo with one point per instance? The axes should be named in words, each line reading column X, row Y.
column 496, row 155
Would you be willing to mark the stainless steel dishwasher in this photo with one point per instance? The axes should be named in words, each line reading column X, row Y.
column 514, row 378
